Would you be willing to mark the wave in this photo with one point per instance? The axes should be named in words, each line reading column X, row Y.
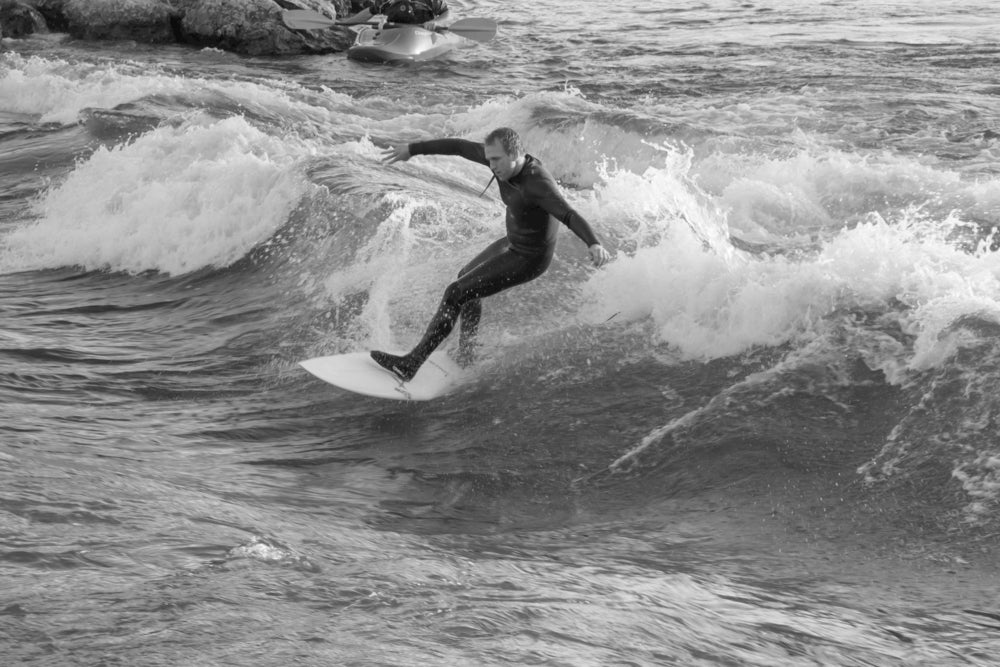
column 176, row 199
column 814, row 288
column 55, row 91
column 865, row 351
column 812, row 356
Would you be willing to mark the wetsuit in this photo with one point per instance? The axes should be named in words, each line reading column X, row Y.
column 535, row 208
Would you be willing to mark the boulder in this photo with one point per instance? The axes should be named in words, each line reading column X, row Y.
column 52, row 11
column 20, row 20
column 250, row 27
column 254, row 27
column 145, row 21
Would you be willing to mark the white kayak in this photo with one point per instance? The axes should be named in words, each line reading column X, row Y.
column 378, row 41
column 401, row 44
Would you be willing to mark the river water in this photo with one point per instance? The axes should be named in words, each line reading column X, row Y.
column 765, row 434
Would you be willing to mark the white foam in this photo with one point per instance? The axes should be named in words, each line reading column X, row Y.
column 56, row 91
column 981, row 480
column 710, row 304
column 175, row 200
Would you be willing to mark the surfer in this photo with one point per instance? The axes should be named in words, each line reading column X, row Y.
column 535, row 207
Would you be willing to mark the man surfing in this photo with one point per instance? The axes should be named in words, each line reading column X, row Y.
column 535, row 207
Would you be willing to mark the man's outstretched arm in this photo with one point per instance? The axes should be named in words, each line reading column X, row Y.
column 470, row 150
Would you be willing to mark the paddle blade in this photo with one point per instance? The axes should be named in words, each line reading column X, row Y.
column 364, row 16
column 305, row 19
column 478, row 30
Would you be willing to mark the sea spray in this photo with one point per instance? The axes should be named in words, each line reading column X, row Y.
column 376, row 275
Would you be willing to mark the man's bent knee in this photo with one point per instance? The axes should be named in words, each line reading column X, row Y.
column 454, row 295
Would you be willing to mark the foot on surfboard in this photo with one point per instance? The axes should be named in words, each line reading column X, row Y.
column 401, row 367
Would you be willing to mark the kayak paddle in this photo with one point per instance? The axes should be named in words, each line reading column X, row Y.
column 306, row 19
column 478, row 30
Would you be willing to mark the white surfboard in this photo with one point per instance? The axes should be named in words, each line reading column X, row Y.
column 359, row 373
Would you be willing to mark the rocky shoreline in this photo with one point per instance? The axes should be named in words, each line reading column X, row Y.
column 248, row 27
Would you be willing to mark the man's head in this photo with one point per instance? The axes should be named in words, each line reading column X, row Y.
column 504, row 152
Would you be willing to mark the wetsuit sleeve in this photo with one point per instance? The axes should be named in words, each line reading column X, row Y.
column 545, row 193
column 470, row 150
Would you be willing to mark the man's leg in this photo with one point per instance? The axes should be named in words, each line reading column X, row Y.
column 471, row 314
column 493, row 274
column 472, row 310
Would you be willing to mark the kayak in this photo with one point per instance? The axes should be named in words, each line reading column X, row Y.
column 394, row 42
column 409, row 43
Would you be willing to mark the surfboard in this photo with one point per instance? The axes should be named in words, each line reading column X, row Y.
column 359, row 373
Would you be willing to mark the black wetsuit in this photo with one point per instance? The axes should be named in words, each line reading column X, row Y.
column 535, row 208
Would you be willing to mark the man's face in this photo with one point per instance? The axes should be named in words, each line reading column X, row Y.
column 501, row 162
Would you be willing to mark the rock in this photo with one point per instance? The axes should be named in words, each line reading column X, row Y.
column 52, row 11
column 20, row 20
column 145, row 21
column 254, row 27
column 250, row 27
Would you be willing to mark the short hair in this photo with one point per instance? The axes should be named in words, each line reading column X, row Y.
column 508, row 138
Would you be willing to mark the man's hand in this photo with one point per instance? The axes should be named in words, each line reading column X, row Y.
column 397, row 153
column 598, row 255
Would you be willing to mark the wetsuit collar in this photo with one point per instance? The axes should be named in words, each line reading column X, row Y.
column 520, row 169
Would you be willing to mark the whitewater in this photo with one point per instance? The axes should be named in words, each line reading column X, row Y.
column 764, row 434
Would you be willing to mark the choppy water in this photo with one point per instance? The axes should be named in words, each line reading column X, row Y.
column 766, row 434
